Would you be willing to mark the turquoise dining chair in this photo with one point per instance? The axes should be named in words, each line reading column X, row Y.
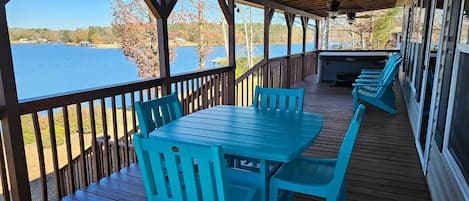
column 278, row 98
column 316, row 176
column 156, row 113
column 169, row 172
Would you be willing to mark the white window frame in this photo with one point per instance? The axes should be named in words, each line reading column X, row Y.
column 454, row 167
column 434, row 98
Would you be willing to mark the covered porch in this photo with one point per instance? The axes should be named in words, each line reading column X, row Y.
column 102, row 165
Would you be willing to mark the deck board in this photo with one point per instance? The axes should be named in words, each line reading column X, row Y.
column 384, row 164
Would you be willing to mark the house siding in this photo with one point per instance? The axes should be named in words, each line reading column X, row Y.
column 441, row 182
column 410, row 102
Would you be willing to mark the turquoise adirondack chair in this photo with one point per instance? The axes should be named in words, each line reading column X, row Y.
column 169, row 172
column 156, row 113
column 316, row 176
column 369, row 79
column 377, row 92
column 378, row 73
column 276, row 99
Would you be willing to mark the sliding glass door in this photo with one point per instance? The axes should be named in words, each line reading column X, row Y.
column 456, row 138
column 426, row 77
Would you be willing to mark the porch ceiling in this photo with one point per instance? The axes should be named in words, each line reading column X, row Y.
column 319, row 7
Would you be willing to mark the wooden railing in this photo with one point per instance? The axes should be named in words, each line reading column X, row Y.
column 273, row 73
column 77, row 138
column 74, row 139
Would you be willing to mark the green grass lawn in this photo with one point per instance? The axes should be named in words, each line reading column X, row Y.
column 59, row 126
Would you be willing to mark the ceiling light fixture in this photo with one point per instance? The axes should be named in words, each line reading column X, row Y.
column 333, row 7
column 351, row 17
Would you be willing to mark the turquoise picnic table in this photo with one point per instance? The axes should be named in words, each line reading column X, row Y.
column 269, row 136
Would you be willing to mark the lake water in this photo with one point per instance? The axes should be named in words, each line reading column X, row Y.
column 47, row 69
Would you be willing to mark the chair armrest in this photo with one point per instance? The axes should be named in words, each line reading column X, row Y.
column 368, row 80
column 372, row 70
column 369, row 76
column 367, row 84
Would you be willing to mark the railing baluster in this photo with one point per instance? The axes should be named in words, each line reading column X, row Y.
column 84, row 173
column 68, row 144
column 94, row 143
column 252, row 88
column 3, row 174
column 176, row 91
column 107, row 165
column 55, row 158
column 134, row 118
column 217, row 89
column 192, row 96
column 126, row 132
column 40, row 154
column 117, row 161
column 197, row 88
column 140, row 95
column 148, row 94
column 204, row 93
column 186, row 111
column 242, row 92
column 181, row 95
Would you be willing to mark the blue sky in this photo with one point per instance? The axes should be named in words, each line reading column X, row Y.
column 72, row 14
column 58, row 14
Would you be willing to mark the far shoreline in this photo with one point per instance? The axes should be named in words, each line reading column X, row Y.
column 110, row 46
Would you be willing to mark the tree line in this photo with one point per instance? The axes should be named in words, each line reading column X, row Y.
column 183, row 32
column 93, row 34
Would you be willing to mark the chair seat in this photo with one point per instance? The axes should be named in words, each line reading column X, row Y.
column 307, row 171
column 370, row 88
column 366, row 92
column 316, row 176
column 243, row 185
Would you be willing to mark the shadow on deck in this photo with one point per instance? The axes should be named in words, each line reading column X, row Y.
column 384, row 164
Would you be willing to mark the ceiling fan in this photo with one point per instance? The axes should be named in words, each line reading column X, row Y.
column 352, row 15
column 333, row 9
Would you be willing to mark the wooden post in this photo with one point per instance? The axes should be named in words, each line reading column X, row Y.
column 316, row 36
column 10, row 118
column 228, row 12
column 316, row 47
column 326, row 40
column 304, row 24
column 161, row 10
column 289, row 18
column 268, row 14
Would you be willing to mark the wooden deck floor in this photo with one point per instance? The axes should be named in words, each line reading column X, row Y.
column 384, row 164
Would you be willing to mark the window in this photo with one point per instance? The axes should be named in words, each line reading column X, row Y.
column 456, row 144
column 464, row 36
column 457, row 138
column 450, row 31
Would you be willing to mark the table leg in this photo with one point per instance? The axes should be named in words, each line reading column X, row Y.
column 265, row 176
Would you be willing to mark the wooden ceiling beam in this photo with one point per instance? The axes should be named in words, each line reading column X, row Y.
column 319, row 7
column 285, row 8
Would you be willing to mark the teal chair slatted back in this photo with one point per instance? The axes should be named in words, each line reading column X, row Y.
column 388, row 78
column 346, row 148
column 156, row 113
column 181, row 171
column 390, row 63
column 277, row 98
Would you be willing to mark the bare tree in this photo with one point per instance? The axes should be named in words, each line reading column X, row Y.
column 135, row 29
column 193, row 12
